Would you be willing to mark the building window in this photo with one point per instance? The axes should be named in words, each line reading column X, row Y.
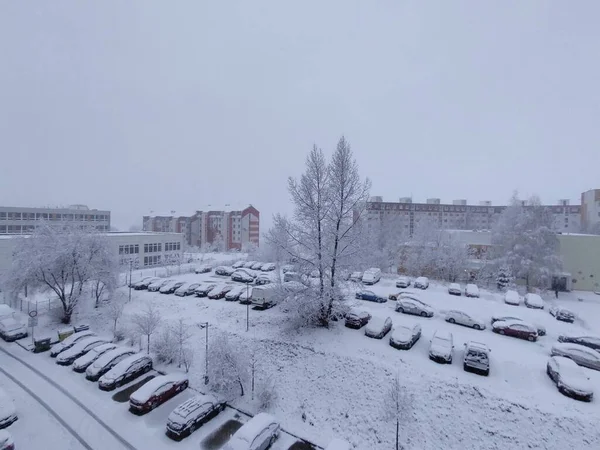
column 2, row 229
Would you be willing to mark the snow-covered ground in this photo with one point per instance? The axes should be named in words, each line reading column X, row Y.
column 333, row 382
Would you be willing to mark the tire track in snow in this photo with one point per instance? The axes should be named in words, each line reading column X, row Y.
column 75, row 400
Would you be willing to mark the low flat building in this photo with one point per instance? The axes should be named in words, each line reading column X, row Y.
column 21, row 220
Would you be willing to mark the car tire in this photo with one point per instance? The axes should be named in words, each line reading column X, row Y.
column 530, row 338
column 400, row 310
column 486, row 372
column 476, row 327
column 501, row 332
column 465, row 368
column 423, row 314
column 451, row 320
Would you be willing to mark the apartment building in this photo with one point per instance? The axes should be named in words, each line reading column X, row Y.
column 18, row 220
column 231, row 228
column 590, row 210
column 459, row 215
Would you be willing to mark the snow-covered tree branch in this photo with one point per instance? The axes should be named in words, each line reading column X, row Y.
column 147, row 323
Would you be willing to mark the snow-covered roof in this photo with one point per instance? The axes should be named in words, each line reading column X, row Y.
column 145, row 392
column 189, row 406
column 254, row 426
column 112, row 354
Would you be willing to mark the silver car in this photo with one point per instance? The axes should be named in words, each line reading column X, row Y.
column 462, row 318
column 407, row 305
column 580, row 354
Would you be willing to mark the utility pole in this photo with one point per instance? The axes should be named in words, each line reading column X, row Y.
column 130, row 267
column 247, row 308
column 205, row 324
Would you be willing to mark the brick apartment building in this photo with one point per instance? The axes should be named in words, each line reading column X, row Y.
column 236, row 227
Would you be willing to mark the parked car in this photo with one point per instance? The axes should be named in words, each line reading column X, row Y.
column 371, row 276
column 356, row 276
column 512, row 298
column 249, row 264
column 268, row 267
column 171, row 287
column 287, row 268
column 516, row 328
column 186, row 289
column 256, row 266
column 404, row 337
column 259, row 433
column 219, row 291
column 68, row 357
column 8, row 412
column 357, row 318
column 421, row 283
column 262, row 279
column 441, row 347
column 370, row 296
column 540, row 328
column 144, row 283
column 245, row 297
column 395, row 295
column 562, row 314
column 6, row 441
column 155, row 287
column 569, row 378
column 204, row 289
column 403, row 282
column 12, row 330
column 534, row 301
column 454, row 289
column 411, row 305
column 84, row 361
column 69, row 342
column 592, row 342
column 292, row 287
column 157, row 391
column 582, row 355
column 462, row 318
column 264, row 297
column 192, row 414
column 377, row 328
column 242, row 277
column 127, row 370
column 107, row 362
column 204, row 268
column 338, row 444
column 472, row 290
column 477, row 358
column 234, row 293
column 238, row 264
column 224, row 271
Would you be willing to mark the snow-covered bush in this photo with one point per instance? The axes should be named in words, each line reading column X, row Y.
column 147, row 323
column 266, row 394
column 227, row 367
column 165, row 346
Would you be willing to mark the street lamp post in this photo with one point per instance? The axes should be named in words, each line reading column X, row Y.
column 205, row 325
column 247, row 308
column 130, row 268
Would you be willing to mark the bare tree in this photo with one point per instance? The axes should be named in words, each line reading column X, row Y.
column 115, row 309
column 397, row 407
column 147, row 322
column 182, row 333
column 228, row 367
column 187, row 358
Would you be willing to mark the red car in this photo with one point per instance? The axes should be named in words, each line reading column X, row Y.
column 157, row 391
column 516, row 328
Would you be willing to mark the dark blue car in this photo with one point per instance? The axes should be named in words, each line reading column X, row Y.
column 370, row 296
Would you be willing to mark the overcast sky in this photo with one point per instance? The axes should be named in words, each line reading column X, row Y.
column 170, row 105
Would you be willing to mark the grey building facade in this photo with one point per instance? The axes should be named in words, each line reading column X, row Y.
column 19, row 220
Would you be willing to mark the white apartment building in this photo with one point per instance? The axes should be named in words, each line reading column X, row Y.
column 18, row 220
column 590, row 210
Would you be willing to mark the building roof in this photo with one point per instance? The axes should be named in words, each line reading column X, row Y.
column 109, row 233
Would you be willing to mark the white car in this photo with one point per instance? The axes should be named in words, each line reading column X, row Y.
column 338, row 444
column 462, row 318
column 441, row 347
column 224, row 271
column 204, row 268
column 268, row 267
column 256, row 266
column 580, row 354
column 454, row 289
column 248, row 264
column 371, row 276
column 263, row 279
column 377, row 328
column 245, row 297
column 8, row 413
column 242, row 276
column 83, row 362
column 259, row 433
column 154, row 287
column 234, row 294
column 403, row 282
column 534, row 301
column 69, row 342
column 512, row 298
column 412, row 305
column 83, row 346
column 472, row 290
column 11, row 329
column 127, row 370
column 404, row 337
column 170, row 288
column 569, row 378
column 421, row 283
column 356, row 276
column 6, row 441
column 238, row 264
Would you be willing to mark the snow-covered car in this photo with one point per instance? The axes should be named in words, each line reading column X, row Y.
column 242, row 276
column 462, row 318
column 256, row 266
column 356, row 276
column 534, row 301
column 404, row 337
column 249, row 264
column 569, row 378
column 107, row 362
column 192, row 414
column 224, row 271
column 370, row 296
column 582, row 355
column 83, row 362
column 562, row 314
column 293, row 286
column 395, row 295
column 259, row 433
column 421, row 283
column 268, row 267
column 8, row 412
column 371, row 276
column 377, row 327
column 234, row 293
column 540, row 328
column 454, row 289
column 338, row 444
column 357, row 318
column 127, row 370
column 11, row 329
column 186, row 289
column 516, row 328
column 238, row 264
column 472, row 290
column 477, row 358
column 155, row 287
column 262, row 279
column 403, row 282
column 412, row 305
column 204, row 289
column 441, row 347
column 6, row 441
column 203, row 268
column 592, row 342
column 144, row 283
column 219, row 291
column 68, row 357
column 171, row 287
column 287, row 268
column 245, row 297
column 157, row 391
column 69, row 342
column 512, row 298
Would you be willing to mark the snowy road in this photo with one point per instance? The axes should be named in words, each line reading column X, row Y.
column 91, row 432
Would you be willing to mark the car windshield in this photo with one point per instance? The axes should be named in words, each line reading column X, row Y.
column 442, row 342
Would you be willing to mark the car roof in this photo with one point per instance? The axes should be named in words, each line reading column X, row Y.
column 477, row 346
column 254, row 426
column 446, row 335
column 515, row 322
column 144, row 392
column 189, row 406
column 574, row 346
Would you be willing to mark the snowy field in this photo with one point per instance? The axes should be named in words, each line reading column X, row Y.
column 333, row 382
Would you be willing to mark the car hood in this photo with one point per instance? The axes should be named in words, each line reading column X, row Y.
column 576, row 382
column 402, row 335
column 440, row 349
column 7, row 406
